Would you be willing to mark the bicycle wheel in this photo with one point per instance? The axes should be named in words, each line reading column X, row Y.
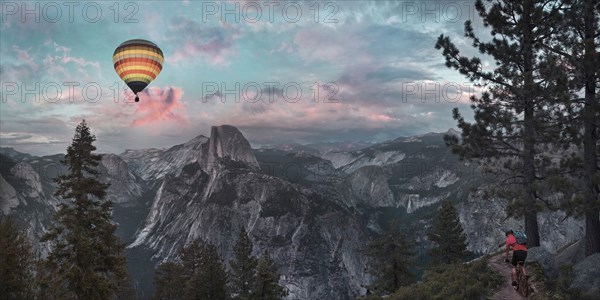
column 523, row 284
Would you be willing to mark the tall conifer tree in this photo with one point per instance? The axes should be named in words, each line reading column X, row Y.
column 16, row 262
column 448, row 235
column 266, row 286
column 391, row 256
column 243, row 267
column 515, row 118
column 577, row 43
column 87, row 259
column 208, row 281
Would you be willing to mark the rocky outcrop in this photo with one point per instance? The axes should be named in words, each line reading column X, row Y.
column 545, row 259
column 369, row 187
column 302, row 230
column 315, row 242
column 415, row 201
column 436, row 178
column 586, row 275
column 154, row 164
column 228, row 142
column 33, row 185
column 485, row 221
column 314, row 215
column 27, row 191
column 8, row 197
column 585, row 271
column 124, row 187
column 352, row 161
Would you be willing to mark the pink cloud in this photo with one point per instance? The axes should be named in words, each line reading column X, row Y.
column 24, row 56
column 160, row 105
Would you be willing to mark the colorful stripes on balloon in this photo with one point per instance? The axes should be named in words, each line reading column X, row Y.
column 138, row 62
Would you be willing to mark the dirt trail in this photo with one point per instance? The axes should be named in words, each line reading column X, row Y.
column 506, row 292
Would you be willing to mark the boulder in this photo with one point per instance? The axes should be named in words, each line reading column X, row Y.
column 586, row 275
column 545, row 259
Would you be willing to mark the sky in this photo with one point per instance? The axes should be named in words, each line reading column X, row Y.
column 280, row 71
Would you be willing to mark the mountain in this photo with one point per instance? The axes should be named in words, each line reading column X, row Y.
column 293, row 148
column 27, row 192
column 226, row 190
column 319, row 148
column 227, row 142
column 14, row 154
column 153, row 164
column 313, row 210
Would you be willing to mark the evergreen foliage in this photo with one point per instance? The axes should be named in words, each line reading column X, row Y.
column 455, row 281
column 576, row 43
column 517, row 117
column 87, row 259
column 266, row 286
column 200, row 275
column 16, row 262
column 243, row 267
column 208, row 278
column 169, row 284
column 391, row 256
column 448, row 234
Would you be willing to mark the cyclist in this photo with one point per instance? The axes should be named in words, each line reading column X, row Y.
column 519, row 254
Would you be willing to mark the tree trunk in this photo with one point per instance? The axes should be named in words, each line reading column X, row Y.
column 590, row 135
column 531, row 224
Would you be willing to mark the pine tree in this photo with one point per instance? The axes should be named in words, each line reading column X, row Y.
column 200, row 274
column 169, row 282
column 448, row 234
column 266, row 286
column 591, row 134
column 87, row 259
column 203, row 272
column 390, row 264
column 515, row 119
column 576, row 44
column 209, row 282
column 191, row 256
column 16, row 262
column 243, row 267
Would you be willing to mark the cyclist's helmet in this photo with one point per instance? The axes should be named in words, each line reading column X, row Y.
column 508, row 232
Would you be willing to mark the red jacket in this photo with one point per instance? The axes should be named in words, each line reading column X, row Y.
column 512, row 241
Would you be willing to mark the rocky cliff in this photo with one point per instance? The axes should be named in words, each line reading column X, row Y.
column 369, row 187
column 212, row 200
column 227, row 141
column 314, row 210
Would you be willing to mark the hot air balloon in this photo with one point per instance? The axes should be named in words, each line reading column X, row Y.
column 138, row 62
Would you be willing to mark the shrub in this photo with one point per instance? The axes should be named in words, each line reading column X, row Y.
column 455, row 281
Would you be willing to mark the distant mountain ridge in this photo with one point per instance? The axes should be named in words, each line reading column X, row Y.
column 313, row 211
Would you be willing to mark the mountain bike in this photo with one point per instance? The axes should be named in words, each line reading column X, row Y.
column 522, row 278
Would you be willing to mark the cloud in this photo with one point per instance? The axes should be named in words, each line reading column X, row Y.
column 320, row 43
column 60, row 63
column 23, row 55
column 214, row 44
column 369, row 54
column 36, row 135
column 160, row 105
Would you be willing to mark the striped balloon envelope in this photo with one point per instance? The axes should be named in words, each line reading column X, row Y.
column 138, row 62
